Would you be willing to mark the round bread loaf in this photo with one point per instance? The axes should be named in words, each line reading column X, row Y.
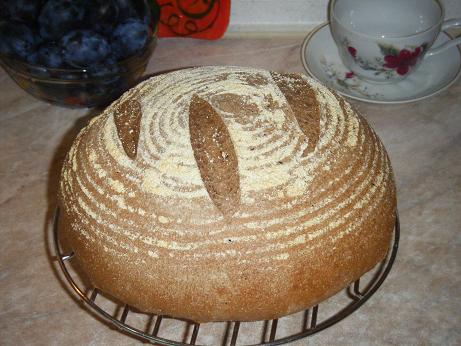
column 227, row 193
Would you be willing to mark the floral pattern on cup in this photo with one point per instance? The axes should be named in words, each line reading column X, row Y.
column 346, row 81
column 393, row 60
column 401, row 60
column 352, row 51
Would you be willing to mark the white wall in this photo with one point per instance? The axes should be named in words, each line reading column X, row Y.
column 292, row 15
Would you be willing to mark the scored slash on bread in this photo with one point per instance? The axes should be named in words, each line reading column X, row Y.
column 215, row 155
column 127, row 118
column 301, row 98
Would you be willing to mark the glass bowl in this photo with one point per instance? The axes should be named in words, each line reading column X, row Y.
column 78, row 87
column 82, row 87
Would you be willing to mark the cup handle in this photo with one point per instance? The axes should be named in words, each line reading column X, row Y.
column 446, row 25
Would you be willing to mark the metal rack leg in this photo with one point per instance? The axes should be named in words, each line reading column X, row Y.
column 193, row 338
column 235, row 333
column 126, row 309
column 157, row 325
column 94, row 294
column 273, row 330
column 315, row 311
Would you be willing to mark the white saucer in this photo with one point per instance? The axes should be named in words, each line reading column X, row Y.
column 436, row 73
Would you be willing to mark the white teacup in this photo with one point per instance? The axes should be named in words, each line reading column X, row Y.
column 384, row 41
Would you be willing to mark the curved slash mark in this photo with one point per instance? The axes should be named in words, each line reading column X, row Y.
column 215, row 155
column 303, row 102
column 127, row 118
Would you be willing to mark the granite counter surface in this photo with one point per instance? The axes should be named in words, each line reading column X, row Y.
column 420, row 302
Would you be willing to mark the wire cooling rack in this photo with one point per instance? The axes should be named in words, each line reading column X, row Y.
column 310, row 321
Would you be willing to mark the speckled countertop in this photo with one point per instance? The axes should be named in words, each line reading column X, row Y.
column 419, row 303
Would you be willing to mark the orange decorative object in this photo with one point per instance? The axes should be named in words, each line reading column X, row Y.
column 207, row 19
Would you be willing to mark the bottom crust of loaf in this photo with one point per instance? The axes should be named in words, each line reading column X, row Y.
column 224, row 292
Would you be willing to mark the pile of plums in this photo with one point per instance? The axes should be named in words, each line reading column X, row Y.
column 70, row 40
column 73, row 33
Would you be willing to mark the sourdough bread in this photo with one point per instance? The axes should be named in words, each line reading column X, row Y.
column 227, row 193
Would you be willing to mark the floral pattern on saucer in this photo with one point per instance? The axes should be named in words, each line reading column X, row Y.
column 345, row 79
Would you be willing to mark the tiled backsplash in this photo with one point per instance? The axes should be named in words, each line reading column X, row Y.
column 292, row 15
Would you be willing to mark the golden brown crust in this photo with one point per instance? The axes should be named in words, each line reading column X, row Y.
column 293, row 211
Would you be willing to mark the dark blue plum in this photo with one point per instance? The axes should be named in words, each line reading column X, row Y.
column 105, row 68
column 32, row 58
column 17, row 39
column 49, row 55
column 103, row 15
column 129, row 37
column 26, row 10
column 104, row 29
column 83, row 48
column 129, row 9
column 60, row 16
